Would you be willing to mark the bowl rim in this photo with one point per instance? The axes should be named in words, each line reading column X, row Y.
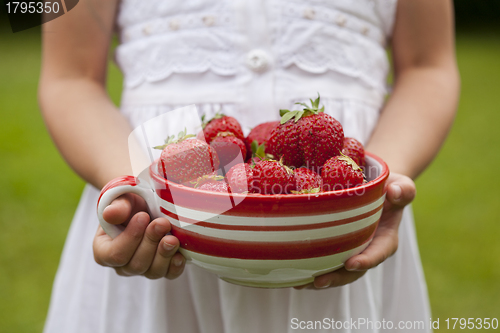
column 384, row 174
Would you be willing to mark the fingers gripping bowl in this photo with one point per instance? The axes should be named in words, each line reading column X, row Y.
column 262, row 240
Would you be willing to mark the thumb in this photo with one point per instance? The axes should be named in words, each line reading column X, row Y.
column 401, row 191
column 123, row 208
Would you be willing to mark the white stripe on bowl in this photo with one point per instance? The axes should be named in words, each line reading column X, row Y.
column 269, row 270
column 267, row 221
column 281, row 236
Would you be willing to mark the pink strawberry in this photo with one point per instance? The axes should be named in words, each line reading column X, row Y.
column 272, row 177
column 216, row 186
column 306, row 137
column 211, row 182
column 354, row 149
column 240, row 178
column 220, row 123
column 228, row 148
column 261, row 134
column 307, row 181
column 185, row 159
column 341, row 172
column 199, row 181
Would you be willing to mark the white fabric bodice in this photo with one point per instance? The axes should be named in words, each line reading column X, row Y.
column 257, row 54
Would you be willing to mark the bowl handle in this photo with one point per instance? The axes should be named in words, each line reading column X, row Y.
column 120, row 186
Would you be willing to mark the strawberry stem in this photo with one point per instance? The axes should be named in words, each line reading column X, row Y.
column 204, row 123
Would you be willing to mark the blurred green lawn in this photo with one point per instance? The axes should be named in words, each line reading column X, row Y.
column 457, row 213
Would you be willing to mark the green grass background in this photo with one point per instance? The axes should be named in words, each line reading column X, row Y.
column 457, row 206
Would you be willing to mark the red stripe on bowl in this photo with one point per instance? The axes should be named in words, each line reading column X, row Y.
column 120, row 181
column 257, row 205
column 217, row 247
column 270, row 228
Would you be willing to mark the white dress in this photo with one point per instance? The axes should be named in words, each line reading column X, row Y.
column 249, row 58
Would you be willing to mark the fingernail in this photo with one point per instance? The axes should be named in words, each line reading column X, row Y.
column 354, row 267
column 396, row 189
column 324, row 284
column 178, row 261
column 143, row 219
column 168, row 246
column 161, row 229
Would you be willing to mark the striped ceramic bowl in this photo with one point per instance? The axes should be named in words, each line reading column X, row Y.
column 262, row 240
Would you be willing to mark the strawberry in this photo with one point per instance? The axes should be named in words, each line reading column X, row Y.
column 240, row 178
column 213, row 183
column 219, row 123
column 228, row 148
column 354, row 149
column 307, row 181
column 341, row 172
column 306, row 137
column 185, row 159
column 216, row 186
column 272, row 177
column 260, row 133
column 213, row 176
column 199, row 180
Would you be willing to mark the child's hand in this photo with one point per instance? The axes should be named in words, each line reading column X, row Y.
column 400, row 192
column 142, row 248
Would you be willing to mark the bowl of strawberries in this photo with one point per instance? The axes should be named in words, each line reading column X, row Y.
column 293, row 200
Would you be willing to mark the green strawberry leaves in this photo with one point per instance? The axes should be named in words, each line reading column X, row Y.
column 349, row 162
column 203, row 179
column 309, row 191
column 260, row 151
column 205, row 122
column 181, row 136
column 287, row 115
column 225, row 134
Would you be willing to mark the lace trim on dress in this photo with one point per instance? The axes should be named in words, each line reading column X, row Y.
column 197, row 41
column 157, row 57
column 317, row 39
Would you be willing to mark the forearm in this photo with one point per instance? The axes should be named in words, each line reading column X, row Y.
column 87, row 128
column 416, row 119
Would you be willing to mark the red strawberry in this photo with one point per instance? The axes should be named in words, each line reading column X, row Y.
column 307, row 181
column 261, row 134
column 220, row 123
column 341, row 172
column 354, row 149
column 306, row 137
column 240, row 178
column 183, row 160
column 272, row 177
column 228, row 148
